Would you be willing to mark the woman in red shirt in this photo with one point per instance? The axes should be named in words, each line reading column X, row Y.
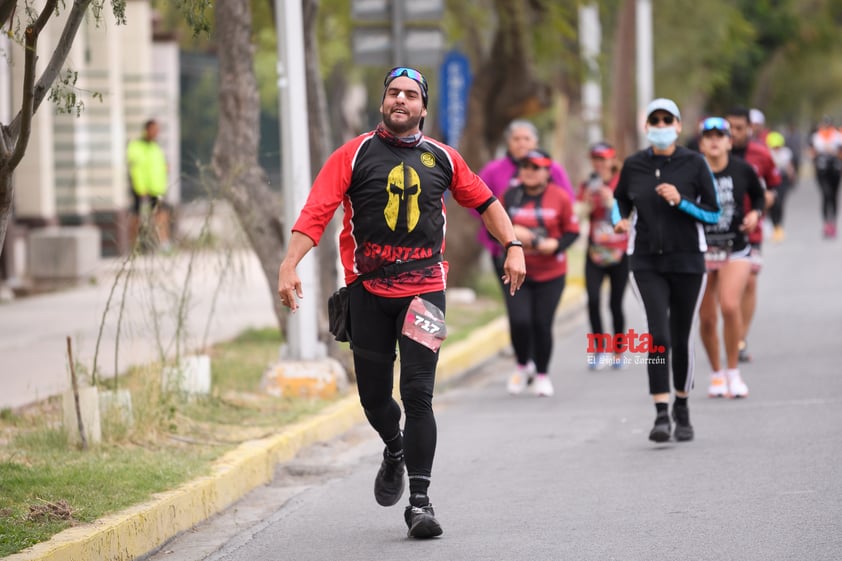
column 544, row 221
column 606, row 256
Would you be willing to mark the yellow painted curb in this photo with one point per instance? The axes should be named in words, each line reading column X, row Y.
column 141, row 529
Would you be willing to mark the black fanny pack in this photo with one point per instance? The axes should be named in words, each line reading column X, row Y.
column 338, row 308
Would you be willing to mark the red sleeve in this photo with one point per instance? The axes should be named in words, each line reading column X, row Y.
column 772, row 176
column 760, row 157
column 328, row 191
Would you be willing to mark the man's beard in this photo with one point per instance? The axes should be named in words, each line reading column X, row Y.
column 400, row 129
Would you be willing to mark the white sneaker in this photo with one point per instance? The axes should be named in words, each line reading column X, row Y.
column 543, row 386
column 718, row 385
column 736, row 387
column 517, row 382
column 530, row 372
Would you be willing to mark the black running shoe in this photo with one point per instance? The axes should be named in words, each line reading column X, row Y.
column 421, row 521
column 661, row 431
column 389, row 483
column 683, row 428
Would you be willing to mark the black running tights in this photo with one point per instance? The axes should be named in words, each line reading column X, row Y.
column 776, row 213
column 531, row 312
column 671, row 302
column 376, row 324
column 618, row 276
column 829, row 185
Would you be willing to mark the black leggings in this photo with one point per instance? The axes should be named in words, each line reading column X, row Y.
column 376, row 324
column 618, row 275
column 776, row 213
column 829, row 184
column 531, row 312
column 671, row 302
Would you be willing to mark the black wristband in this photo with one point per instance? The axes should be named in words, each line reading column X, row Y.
column 513, row 243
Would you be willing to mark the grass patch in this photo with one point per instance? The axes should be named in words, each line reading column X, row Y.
column 45, row 473
column 47, row 484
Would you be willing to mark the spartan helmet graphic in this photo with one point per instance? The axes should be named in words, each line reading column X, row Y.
column 403, row 185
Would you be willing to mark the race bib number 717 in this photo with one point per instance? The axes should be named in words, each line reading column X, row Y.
column 424, row 323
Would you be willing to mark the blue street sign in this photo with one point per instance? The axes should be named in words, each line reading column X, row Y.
column 455, row 80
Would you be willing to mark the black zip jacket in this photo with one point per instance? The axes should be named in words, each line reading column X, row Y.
column 667, row 238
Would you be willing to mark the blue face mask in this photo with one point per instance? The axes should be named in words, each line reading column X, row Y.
column 662, row 137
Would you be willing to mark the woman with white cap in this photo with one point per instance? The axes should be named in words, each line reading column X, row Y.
column 671, row 191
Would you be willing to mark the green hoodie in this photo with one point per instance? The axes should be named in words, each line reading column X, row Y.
column 147, row 168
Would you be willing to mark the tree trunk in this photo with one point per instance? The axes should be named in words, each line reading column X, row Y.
column 242, row 181
column 504, row 88
column 624, row 133
column 6, row 195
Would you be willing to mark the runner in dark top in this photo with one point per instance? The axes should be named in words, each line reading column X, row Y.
column 671, row 190
column 728, row 255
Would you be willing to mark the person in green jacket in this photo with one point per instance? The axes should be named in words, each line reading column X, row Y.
column 148, row 179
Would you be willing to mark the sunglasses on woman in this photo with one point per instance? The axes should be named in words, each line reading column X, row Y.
column 717, row 124
column 666, row 119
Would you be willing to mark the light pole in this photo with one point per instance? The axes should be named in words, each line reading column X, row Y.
column 645, row 80
column 590, row 37
column 302, row 326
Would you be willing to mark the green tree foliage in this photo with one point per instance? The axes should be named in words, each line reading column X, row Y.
column 697, row 47
column 803, row 79
column 783, row 56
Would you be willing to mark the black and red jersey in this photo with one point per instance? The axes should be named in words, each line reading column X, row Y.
column 393, row 201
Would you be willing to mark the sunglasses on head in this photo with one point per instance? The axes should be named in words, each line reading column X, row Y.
column 409, row 73
column 530, row 166
column 715, row 124
column 666, row 119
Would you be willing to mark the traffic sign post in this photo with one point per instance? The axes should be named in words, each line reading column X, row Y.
column 400, row 32
column 455, row 79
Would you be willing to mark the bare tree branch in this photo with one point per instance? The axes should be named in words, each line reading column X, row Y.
column 31, row 35
column 7, row 11
column 59, row 56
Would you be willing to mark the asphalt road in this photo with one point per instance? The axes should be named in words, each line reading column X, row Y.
column 574, row 476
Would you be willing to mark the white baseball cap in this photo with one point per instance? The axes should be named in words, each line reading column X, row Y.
column 756, row 117
column 663, row 104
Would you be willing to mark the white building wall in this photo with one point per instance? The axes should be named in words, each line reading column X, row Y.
column 168, row 92
column 137, row 68
column 75, row 165
column 34, row 178
column 71, row 143
column 107, row 167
